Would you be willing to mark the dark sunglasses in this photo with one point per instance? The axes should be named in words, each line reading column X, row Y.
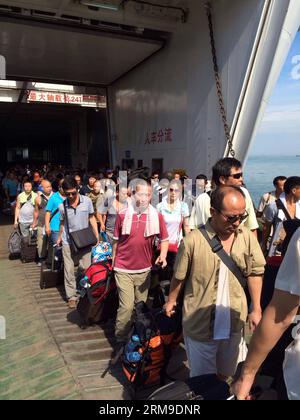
column 234, row 219
column 237, row 176
column 71, row 194
column 173, row 190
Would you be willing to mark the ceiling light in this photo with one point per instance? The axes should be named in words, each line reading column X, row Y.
column 107, row 6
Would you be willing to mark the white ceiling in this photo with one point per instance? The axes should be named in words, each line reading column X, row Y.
column 56, row 40
column 39, row 51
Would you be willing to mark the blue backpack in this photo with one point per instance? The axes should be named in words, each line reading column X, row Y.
column 102, row 251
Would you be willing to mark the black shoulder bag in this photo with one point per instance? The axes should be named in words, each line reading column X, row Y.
column 218, row 249
column 82, row 239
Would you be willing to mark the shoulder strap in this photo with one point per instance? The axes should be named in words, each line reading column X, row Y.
column 28, row 200
column 218, row 249
column 52, row 215
column 159, row 197
column 269, row 197
column 281, row 206
column 44, row 197
column 66, row 217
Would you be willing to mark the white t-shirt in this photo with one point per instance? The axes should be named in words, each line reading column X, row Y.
column 288, row 277
column 222, row 318
column 267, row 199
column 201, row 211
column 174, row 219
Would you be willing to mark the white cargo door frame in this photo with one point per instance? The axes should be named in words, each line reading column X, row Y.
column 278, row 28
column 2, row 67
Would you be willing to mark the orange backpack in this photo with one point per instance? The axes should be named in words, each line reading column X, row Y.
column 158, row 334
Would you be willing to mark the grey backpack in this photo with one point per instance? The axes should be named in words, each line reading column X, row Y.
column 14, row 244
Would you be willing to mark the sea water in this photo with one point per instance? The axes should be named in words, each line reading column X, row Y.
column 259, row 172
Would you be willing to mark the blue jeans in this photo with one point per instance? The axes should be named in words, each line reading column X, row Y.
column 53, row 240
column 53, row 237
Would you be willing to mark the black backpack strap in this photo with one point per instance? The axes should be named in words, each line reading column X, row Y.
column 218, row 249
column 43, row 197
column 208, row 193
column 52, row 215
column 66, row 217
column 269, row 197
column 159, row 197
column 28, row 199
column 281, row 206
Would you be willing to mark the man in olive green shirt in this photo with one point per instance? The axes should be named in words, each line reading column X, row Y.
column 215, row 305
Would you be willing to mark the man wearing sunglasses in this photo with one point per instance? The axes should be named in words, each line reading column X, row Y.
column 226, row 172
column 80, row 213
column 215, row 306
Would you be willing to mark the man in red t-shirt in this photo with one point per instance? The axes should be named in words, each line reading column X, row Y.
column 135, row 231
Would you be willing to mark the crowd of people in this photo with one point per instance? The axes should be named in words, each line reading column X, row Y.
column 153, row 222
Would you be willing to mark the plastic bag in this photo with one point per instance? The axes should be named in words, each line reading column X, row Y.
column 291, row 369
column 103, row 251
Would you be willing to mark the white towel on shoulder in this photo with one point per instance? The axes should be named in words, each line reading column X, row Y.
column 152, row 222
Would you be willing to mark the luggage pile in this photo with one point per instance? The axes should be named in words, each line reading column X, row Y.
column 99, row 299
column 147, row 353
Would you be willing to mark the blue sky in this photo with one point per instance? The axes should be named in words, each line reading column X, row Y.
column 279, row 132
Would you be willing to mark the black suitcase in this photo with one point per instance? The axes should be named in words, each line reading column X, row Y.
column 52, row 276
column 100, row 312
column 204, row 387
column 28, row 249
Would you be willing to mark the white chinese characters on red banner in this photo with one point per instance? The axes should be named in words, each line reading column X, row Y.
column 98, row 101
column 160, row 136
column 59, row 98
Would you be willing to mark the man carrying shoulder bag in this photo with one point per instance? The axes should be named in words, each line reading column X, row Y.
column 78, row 234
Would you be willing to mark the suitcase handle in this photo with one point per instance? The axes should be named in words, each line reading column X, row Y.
column 53, row 258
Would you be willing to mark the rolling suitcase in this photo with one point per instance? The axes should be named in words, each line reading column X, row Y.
column 53, row 276
column 29, row 247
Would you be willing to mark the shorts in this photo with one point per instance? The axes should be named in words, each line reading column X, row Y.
column 215, row 356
